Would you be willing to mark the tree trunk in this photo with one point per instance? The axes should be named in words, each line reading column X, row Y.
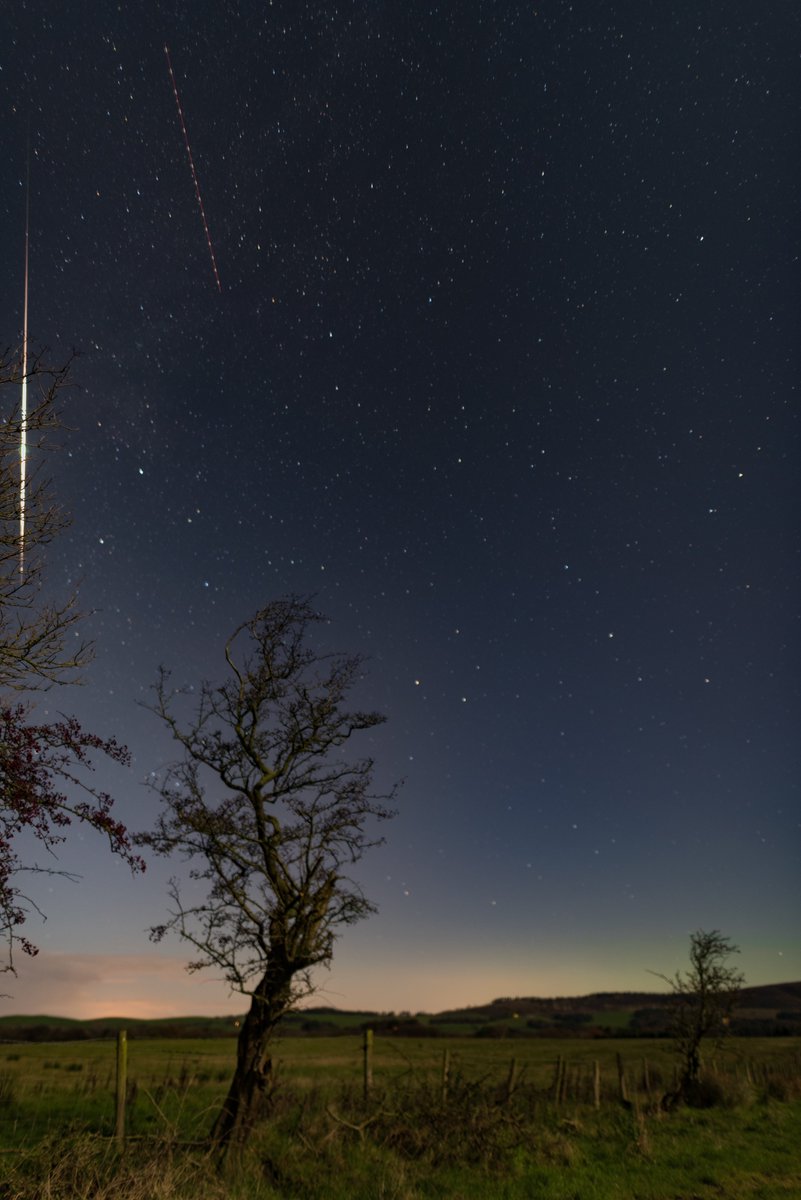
column 248, row 1096
column 691, row 1067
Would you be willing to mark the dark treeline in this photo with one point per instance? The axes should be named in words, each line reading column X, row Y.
column 650, row 1021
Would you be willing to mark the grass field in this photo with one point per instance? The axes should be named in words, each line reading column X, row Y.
column 496, row 1129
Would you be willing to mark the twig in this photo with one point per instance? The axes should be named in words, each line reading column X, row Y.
column 356, row 1128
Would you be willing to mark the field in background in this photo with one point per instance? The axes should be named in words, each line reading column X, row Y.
column 511, row 1119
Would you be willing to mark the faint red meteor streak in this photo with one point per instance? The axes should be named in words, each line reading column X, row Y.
column 194, row 172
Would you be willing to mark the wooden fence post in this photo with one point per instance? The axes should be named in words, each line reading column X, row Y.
column 561, row 1079
column 511, row 1080
column 122, row 1083
column 621, row 1080
column 446, row 1070
column 557, row 1079
column 596, row 1083
column 646, row 1077
column 368, row 1062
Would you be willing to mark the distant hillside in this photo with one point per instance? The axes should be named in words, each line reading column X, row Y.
column 770, row 1010
column 774, row 997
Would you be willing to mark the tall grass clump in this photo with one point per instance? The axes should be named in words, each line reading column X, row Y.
column 88, row 1167
column 8, row 1090
column 719, row 1090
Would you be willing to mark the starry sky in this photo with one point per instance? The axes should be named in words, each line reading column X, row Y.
column 502, row 370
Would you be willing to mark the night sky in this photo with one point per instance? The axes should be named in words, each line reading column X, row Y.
column 502, row 371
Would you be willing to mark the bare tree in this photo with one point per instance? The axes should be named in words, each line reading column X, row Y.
column 271, row 817
column 703, row 1000
column 45, row 766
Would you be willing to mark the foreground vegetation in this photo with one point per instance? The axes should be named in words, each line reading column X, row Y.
column 490, row 1128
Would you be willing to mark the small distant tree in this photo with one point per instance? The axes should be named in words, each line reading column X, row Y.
column 271, row 817
column 45, row 766
column 703, row 1000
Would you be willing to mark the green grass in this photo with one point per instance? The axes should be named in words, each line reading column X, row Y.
column 476, row 1143
column 611, row 1019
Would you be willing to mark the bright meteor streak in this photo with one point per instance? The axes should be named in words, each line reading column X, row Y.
column 192, row 169
column 23, row 411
